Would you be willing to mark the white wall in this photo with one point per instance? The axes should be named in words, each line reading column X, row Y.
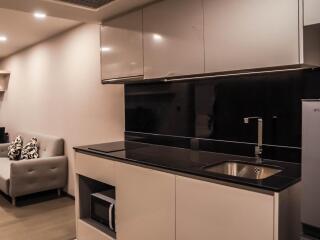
column 55, row 89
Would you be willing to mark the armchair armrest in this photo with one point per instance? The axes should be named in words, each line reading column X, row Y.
column 4, row 149
column 36, row 175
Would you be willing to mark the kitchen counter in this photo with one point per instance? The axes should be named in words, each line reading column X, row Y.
column 186, row 161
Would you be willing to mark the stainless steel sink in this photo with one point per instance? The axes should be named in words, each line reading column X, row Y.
column 244, row 170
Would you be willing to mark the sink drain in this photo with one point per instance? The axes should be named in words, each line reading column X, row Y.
column 257, row 170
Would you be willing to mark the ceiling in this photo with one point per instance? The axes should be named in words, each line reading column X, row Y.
column 22, row 29
column 64, row 10
column 18, row 24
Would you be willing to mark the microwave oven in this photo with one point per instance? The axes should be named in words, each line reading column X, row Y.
column 103, row 208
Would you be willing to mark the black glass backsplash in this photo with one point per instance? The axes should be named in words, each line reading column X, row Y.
column 213, row 110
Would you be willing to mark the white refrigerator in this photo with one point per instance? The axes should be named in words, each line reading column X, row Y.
column 311, row 168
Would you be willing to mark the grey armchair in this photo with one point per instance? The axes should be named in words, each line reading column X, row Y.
column 23, row 177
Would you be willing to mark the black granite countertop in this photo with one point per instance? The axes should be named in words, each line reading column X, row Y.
column 186, row 161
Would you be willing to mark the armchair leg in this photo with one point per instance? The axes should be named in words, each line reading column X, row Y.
column 13, row 201
column 59, row 192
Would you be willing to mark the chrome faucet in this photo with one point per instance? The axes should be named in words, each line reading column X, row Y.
column 258, row 147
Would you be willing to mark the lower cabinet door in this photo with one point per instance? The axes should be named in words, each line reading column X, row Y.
column 87, row 232
column 210, row 211
column 145, row 204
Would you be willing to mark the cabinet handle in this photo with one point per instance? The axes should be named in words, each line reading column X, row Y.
column 122, row 79
column 176, row 77
column 111, row 216
column 171, row 74
column 241, row 73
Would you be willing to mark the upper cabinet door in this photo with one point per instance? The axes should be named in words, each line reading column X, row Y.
column 173, row 38
column 250, row 34
column 122, row 46
column 311, row 12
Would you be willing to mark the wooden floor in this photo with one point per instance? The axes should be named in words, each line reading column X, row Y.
column 44, row 220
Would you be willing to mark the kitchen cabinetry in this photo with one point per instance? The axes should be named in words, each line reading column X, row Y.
column 311, row 12
column 88, row 232
column 250, row 34
column 145, row 204
column 145, row 200
column 121, row 47
column 213, row 211
column 173, row 38
column 153, row 204
column 104, row 173
column 186, row 37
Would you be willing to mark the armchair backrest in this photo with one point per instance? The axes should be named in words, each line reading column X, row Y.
column 49, row 146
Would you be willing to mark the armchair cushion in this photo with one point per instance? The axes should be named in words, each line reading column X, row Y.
column 49, row 146
column 36, row 175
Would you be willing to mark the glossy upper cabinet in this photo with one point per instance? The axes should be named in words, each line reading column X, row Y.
column 311, row 12
column 122, row 46
column 244, row 34
column 173, row 38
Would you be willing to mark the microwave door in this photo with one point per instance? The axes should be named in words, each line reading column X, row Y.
column 104, row 205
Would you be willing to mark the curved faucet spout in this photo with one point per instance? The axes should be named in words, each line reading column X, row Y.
column 258, row 147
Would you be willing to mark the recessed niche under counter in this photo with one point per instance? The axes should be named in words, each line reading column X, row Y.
column 94, row 176
column 92, row 207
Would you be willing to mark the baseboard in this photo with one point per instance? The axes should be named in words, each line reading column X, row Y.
column 68, row 195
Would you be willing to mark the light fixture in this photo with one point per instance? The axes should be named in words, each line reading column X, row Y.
column 106, row 49
column 3, row 38
column 157, row 37
column 40, row 15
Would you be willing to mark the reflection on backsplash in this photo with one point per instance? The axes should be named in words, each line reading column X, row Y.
column 222, row 105
column 160, row 108
column 214, row 109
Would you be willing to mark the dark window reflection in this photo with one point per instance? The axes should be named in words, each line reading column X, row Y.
column 215, row 109
column 160, row 109
column 222, row 105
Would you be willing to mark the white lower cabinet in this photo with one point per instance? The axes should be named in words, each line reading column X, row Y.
column 210, row 211
column 155, row 205
column 88, row 232
column 145, row 207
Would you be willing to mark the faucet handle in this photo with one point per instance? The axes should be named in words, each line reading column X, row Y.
column 247, row 119
column 258, row 150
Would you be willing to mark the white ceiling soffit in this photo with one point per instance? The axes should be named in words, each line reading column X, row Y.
column 22, row 29
column 60, row 9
